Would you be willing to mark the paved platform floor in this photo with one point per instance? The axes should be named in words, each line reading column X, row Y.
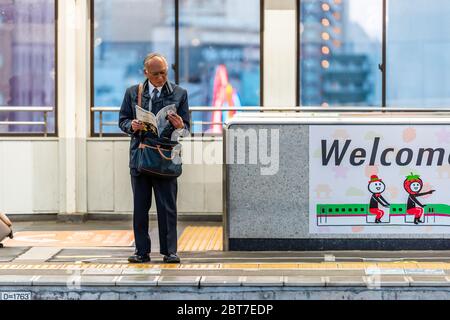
column 54, row 260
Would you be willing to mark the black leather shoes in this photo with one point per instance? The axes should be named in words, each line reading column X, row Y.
column 139, row 259
column 171, row 258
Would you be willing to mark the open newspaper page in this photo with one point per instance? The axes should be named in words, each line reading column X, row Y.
column 149, row 120
column 161, row 117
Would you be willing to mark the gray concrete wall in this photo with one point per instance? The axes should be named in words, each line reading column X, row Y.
column 271, row 206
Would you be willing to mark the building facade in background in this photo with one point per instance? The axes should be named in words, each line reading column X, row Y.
column 27, row 61
column 338, row 55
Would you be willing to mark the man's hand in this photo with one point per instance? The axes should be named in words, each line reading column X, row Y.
column 137, row 125
column 176, row 121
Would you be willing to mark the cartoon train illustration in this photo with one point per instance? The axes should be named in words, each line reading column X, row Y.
column 380, row 212
column 396, row 215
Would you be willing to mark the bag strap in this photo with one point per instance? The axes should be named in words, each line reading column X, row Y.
column 173, row 155
column 139, row 97
column 173, row 152
column 140, row 90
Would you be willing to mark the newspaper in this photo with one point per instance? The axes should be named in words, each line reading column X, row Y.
column 153, row 123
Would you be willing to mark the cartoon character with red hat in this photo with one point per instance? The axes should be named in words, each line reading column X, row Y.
column 413, row 184
column 376, row 187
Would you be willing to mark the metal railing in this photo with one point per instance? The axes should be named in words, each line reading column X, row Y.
column 44, row 110
column 192, row 110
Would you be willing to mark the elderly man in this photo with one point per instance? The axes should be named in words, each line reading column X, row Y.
column 158, row 92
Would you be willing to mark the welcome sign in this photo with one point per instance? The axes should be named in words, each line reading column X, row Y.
column 379, row 179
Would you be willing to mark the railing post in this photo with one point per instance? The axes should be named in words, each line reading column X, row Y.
column 45, row 124
column 190, row 120
column 101, row 124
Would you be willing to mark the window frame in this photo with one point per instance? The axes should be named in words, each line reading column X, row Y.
column 55, row 107
column 382, row 66
column 175, row 65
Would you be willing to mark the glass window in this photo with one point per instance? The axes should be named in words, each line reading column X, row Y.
column 218, row 53
column 418, row 62
column 124, row 33
column 219, row 57
column 27, row 64
column 340, row 49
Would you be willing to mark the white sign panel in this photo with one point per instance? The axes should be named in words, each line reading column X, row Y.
column 15, row 296
column 379, row 179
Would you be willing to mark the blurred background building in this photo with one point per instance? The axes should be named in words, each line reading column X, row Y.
column 339, row 55
column 216, row 53
column 218, row 48
column 27, row 60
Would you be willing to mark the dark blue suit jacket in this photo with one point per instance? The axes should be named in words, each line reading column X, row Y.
column 170, row 94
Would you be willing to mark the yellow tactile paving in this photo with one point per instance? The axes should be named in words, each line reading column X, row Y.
column 170, row 266
column 188, row 238
column 239, row 266
column 196, row 239
column 88, row 238
column 190, row 266
column 217, row 241
column 278, row 266
column 398, row 264
column 213, row 266
column 432, row 265
column 183, row 240
column 323, row 265
column 200, row 266
column 200, row 239
column 351, row 265
column 385, row 265
column 411, row 266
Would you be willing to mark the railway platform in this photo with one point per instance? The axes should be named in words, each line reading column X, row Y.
column 53, row 260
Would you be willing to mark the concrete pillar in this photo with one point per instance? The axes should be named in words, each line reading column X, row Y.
column 73, row 115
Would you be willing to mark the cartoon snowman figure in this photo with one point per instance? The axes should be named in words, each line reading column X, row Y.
column 376, row 187
column 413, row 185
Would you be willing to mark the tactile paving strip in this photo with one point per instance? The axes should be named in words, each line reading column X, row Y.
column 89, row 238
column 198, row 239
column 193, row 239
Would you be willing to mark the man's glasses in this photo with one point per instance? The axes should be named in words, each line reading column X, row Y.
column 160, row 73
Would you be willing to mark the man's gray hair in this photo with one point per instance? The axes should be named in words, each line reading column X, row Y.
column 150, row 56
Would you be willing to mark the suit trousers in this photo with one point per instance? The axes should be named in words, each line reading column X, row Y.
column 165, row 191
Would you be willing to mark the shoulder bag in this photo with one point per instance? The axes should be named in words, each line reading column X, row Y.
column 158, row 157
